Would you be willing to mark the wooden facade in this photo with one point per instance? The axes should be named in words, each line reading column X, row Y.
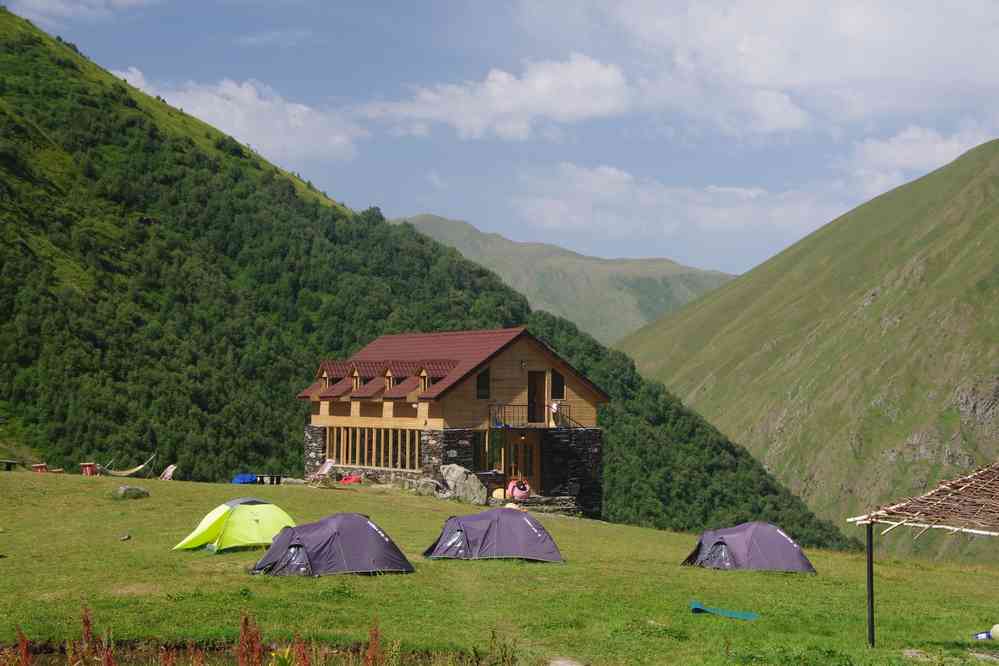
column 503, row 389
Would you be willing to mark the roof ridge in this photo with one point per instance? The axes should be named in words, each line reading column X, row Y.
column 472, row 331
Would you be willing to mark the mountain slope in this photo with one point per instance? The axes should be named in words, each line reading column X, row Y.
column 164, row 289
column 607, row 298
column 862, row 363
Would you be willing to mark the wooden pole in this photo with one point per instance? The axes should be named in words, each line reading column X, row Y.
column 870, row 584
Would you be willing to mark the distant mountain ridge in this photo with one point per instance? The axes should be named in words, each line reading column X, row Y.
column 862, row 363
column 607, row 298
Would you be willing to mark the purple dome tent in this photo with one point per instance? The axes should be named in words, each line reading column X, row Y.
column 494, row 534
column 341, row 543
column 749, row 546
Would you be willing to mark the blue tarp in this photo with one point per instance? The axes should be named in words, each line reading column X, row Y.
column 244, row 478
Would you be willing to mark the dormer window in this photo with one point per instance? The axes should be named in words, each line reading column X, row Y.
column 425, row 382
column 357, row 381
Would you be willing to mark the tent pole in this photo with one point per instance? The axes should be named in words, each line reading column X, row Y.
column 870, row 584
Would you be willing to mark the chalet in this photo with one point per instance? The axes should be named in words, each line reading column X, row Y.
column 498, row 401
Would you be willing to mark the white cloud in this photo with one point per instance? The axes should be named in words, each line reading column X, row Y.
column 255, row 114
column 881, row 164
column 793, row 65
column 283, row 38
column 508, row 106
column 51, row 12
column 608, row 202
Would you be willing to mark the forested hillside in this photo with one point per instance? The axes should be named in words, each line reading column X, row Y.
column 163, row 289
column 607, row 298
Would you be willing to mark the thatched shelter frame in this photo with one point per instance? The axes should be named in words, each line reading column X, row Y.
column 969, row 505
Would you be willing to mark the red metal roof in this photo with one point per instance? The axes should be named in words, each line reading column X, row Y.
column 438, row 368
column 448, row 357
column 371, row 389
column 403, row 368
column 401, row 390
column 339, row 389
column 310, row 391
column 334, row 368
column 368, row 368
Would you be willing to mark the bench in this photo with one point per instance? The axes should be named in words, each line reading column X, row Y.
column 269, row 479
column 8, row 465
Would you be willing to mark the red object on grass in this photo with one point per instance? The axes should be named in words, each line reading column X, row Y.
column 88, row 469
column 350, row 478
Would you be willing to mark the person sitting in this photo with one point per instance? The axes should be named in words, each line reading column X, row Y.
column 521, row 490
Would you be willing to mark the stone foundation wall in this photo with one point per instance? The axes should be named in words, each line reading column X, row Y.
column 572, row 465
column 397, row 477
column 315, row 448
column 452, row 446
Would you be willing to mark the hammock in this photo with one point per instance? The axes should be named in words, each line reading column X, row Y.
column 124, row 472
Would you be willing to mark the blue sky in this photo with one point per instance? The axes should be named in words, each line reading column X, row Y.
column 712, row 133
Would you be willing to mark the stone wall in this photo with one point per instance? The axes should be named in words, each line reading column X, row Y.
column 572, row 465
column 315, row 448
column 452, row 446
column 398, row 477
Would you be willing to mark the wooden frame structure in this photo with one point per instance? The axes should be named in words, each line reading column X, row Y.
column 969, row 505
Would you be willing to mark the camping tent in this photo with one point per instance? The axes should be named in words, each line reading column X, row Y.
column 749, row 546
column 494, row 533
column 341, row 543
column 237, row 523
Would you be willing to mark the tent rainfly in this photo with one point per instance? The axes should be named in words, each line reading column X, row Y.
column 497, row 533
column 238, row 523
column 755, row 545
column 969, row 505
column 341, row 543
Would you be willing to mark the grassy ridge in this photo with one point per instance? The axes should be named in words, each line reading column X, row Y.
column 607, row 298
column 621, row 598
column 862, row 363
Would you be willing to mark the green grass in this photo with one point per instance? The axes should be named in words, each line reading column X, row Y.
column 621, row 597
column 607, row 298
column 837, row 363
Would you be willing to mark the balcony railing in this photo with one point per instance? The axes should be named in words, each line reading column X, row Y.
column 537, row 415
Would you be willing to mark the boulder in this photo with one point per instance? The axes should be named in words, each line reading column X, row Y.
column 425, row 487
column 464, row 485
column 129, row 492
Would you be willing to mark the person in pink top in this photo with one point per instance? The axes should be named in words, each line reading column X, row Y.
column 518, row 489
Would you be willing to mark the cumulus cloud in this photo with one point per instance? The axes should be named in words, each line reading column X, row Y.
column 797, row 65
column 286, row 131
column 508, row 106
column 878, row 165
column 606, row 201
column 52, row 12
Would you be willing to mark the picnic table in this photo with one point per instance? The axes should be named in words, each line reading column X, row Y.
column 8, row 465
column 269, row 479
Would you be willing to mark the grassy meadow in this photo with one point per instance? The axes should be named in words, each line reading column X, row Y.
column 621, row 598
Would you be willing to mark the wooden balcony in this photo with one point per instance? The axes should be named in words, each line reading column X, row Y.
column 537, row 415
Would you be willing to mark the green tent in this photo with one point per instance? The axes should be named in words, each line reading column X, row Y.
column 236, row 524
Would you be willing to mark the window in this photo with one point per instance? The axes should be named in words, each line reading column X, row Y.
column 482, row 385
column 558, row 386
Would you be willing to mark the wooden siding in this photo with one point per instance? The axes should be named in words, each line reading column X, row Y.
column 460, row 408
column 508, row 385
